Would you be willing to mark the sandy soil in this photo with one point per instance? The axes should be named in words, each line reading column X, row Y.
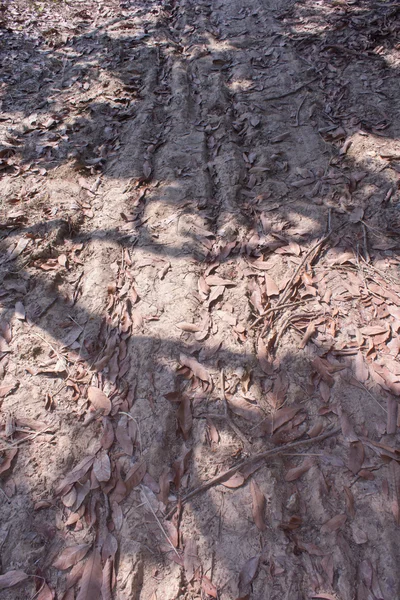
column 199, row 263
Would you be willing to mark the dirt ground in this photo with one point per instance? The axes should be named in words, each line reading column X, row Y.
column 199, row 264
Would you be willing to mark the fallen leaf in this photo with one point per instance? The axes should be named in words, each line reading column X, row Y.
column 107, row 584
column 77, row 473
column 240, row 406
column 247, row 575
column 394, row 472
column 123, row 437
column 12, row 578
column 99, row 400
column 190, row 559
column 361, row 371
column 102, row 466
column 7, row 459
column 208, row 587
column 184, row 416
column 198, row 369
column 263, row 357
column 270, row 285
column 189, row 327
column 356, row 457
column 334, row 524
column 235, row 481
column 258, row 507
column 45, row 593
column 92, row 578
column 135, row 475
column 107, row 436
column 20, row 311
column 214, row 280
column 297, row 472
column 71, row 556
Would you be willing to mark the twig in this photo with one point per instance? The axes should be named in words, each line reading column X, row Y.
column 290, row 92
column 248, row 461
column 297, row 122
column 26, row 439
column 228, row 417
column 314, row 248
column 159, row 523
column 275, row 309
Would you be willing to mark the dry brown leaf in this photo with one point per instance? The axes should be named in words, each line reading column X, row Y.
column 263, row 357
column 180, row 466
column 102, row 466
column 270, row 285
column 92, row 578
column 106, row 585
column 373, row 330
column 184, row 416
column 322, row 368
column 235, row 481
column 356, row 457
column 208, row 587
column 7, row 459
column 164, row 482
column 347, row 428
column 135, row 475
column 247, row 575
column 297, row 472
column 77, row 473
column 349, row 501
column 123, row 437
column 334, row 524
column 11, row 578
column 189, row 327
column 70, row 556
column 311, row 329
column 107, row 436
column 361, row 371
column 198, row 369
column 240, row 406
column 190, row 559
column 45, row 593
column 214, row 280
column 99, row 400
column 394, row 471
column 258, row 506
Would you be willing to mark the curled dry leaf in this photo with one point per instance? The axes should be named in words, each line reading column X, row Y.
column 197, row 369
column 7, row 459
column 71, row 556
column 247, row 575
column 107, row 436
column 189, row 327
column 263, row 357
column 334, row 524
column 11, row 578
column 99, row 400
column 258, row 508
column 45, row 593
column 214, row 280
column 92, row 578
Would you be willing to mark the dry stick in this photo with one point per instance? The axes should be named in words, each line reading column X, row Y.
column 290, row 92
column 301, row 265
column 248, row 461
column 274, row 309
column 228, row 417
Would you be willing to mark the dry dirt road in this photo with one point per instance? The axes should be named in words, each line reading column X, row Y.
column 199, row 263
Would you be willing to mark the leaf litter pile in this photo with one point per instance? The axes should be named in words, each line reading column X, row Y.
column 200, row 300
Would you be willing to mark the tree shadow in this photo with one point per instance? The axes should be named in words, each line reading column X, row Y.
column 149, row 359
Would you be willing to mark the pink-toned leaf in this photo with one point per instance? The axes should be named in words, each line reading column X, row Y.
column 247, row 575
column 264, row 359
column 92, row 578
column 46, row 593
column 102, row 466
column 99, row 400
column 271, row 287
column 198, row 369
column 356, row 457
column 184, row 416
column 11, row 578
column 258, row 506
column 107, row 435
column 240, row 406
column 208, row 587
column 70, row 556
column 106, row 586
column 7, row 459
column 77, row 473
column 190, row 559
column 135, row 475
column 297, row 472
column 334, row 524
